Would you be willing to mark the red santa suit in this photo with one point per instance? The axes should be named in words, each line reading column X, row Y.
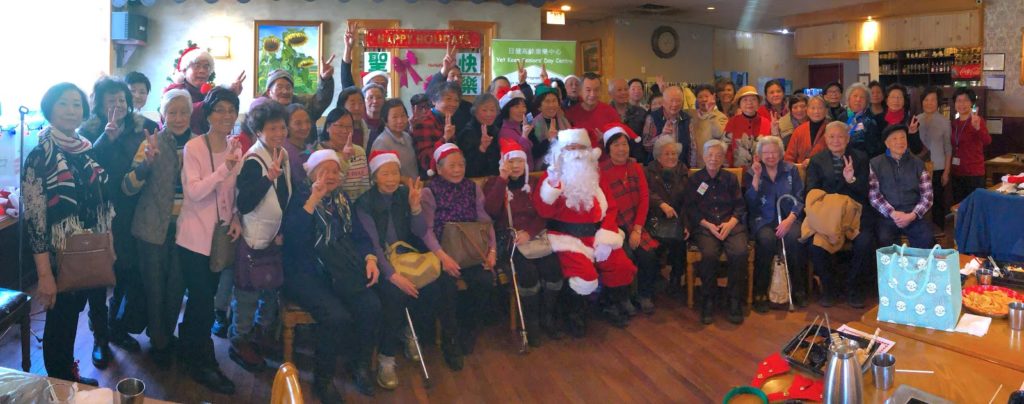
column 574, row 236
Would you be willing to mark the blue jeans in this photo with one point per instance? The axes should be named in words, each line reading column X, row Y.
column 919, row 233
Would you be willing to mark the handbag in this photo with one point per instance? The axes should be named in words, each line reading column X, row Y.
column 778, row 291
column 664, row 228
column 419, row 268
column 86, row 262
column 919, row 287
column 258, row 269
column 537, row 247
column 222, row 250
column 465, row 242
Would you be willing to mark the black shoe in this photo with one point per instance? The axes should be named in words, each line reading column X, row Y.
column 674, row 287
column 800, row 301
column 363, row 381
column 761, row 304
column 101, row 355
column 468, row 340
column 576, row 320
column 452, row 354
column 220, row 324
column 125, row 341
column 827, row 300
column 856, row 301
column 615, row 315
column 736, row 311
column 707, row 312
column 326, row 392
column 210, row 376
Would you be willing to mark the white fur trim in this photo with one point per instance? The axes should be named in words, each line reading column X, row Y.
column 548, row 193
column 582, row 287
column 518, row 153
column 509, row 96
column 318, row 157
column 369, row 76
column 574, row 136
column 608, row 237
column 567, row 243
column 440, row 150
column 611, row 132
column 382, row 159
column 602, row 201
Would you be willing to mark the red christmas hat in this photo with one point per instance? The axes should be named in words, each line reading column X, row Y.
column 614, row 128
column 511, row 149
column 507, row 94
column 381, row 157
column 439, row 154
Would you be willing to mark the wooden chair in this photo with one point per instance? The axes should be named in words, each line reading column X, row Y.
column 286, row 389
column 15, row 308
column 291, row 316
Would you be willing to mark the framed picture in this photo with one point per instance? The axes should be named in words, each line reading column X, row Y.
column 295, row 46
column 993, row 62
column 996, row 82
column 864, row 78
column 590, row 56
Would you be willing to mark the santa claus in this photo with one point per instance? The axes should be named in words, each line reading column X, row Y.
column 582, row 227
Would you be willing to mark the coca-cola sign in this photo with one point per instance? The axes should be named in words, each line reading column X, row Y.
column 971, row 71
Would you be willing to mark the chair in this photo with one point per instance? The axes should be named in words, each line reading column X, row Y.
column 15, row 307
column 291, row 316
column 286, row 389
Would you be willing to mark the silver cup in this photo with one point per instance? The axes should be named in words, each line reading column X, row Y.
column 883, row 368
column 1016, row 316
column 129, row 391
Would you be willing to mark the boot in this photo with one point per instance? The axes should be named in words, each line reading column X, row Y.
column 761, row 304
column 627, row 306
column 577, row 308
column 452, row 353
column 387, row 378
column 531, row 315
column 707, row 312
column 221, row 322
column 614, row 311
column 548, row 317
column 361, row 377
column 647, row 305
column 325, row 390
column 736, row 311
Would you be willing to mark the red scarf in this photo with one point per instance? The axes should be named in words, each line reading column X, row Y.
column 894, row 117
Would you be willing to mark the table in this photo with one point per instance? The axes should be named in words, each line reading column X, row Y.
column 958, row 377
column 1010, row 163
column 29, row 380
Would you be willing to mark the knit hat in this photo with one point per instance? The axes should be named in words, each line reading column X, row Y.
column 893, row 129
column 381, row 157
column 507, row 94
column 745, row 91
column 615, row 128
column 574, row 136
column 543, row 89
column 439, row 154
column 318, row 157
column 277, row 74
column 368, row 76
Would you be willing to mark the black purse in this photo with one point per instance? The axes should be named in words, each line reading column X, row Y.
column 665, row 228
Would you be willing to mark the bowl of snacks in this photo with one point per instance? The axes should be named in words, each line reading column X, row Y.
column 990, row 301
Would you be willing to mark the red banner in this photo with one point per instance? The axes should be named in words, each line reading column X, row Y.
column 420, row 38
column 971, row 71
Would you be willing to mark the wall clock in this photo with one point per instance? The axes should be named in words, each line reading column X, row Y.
column 665, row 42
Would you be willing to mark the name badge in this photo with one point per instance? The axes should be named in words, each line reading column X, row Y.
column 702, row 188
column 956, row 161
column 859, row 127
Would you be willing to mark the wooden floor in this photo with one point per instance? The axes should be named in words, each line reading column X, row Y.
column 667, row 357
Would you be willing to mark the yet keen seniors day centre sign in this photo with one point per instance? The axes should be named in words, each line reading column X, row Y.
column 558, row 56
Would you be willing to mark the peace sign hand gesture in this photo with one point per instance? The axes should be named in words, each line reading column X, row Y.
column 527, row 128
column 113, row 130
column 449, row 57
column 319, row 188
column 152, row 148
column 975, row 121
column 848, row 168
column 521, row 67
column 485, row 138
column 327, row 69
column 544, row 71
column 449, row 129
column 756, row 169
column 415, row 193
column 231, row 160
column 503, row 170
column 347, row 150
column 347, row 56
column 914, row 124
column 236, row 86
column 553, row 129
column 274, row 170
column 775, row 124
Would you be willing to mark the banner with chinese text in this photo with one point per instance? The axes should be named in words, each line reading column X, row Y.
column 472, row 72
column 558, row 56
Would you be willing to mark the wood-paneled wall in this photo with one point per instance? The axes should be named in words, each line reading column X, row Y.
column 959, row 29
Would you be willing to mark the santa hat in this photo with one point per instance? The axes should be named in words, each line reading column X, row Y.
column 615, row 128
column 571, row 77
column 381, row 157
column 511, row 149
column 318, row 157
column 368, row 76
column 574, row 136
column 190, row 55
column 439, row 154
column 507, row 94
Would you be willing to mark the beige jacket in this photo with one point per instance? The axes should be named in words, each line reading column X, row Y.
column 832, row 219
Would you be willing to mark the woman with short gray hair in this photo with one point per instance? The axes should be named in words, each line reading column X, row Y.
column 666, row 181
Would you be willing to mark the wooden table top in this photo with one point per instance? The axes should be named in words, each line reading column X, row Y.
column 10, row 374
column 1008, row 159
column 958, row 377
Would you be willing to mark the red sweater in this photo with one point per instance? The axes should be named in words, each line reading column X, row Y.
column 524, row 216
column 628, row 186
column 969, row 146
column 739, row 126
column 593, row 120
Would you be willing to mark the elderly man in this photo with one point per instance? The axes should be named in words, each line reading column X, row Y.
column 901, row 191
column 707, row 122
column 716, row 223
column 630, row 114
column 582, row 227
column 671, row 121
column 842, row 171
column 572, row 91
column 592, row 114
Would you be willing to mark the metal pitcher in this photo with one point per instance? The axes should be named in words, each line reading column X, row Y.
column 843, row 378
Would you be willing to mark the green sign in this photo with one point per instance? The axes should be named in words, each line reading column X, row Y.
column 471, row 84
column 374, row 61
column 558, row 56
column 469, row 63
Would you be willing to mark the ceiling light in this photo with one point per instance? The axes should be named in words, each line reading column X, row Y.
column 566, row 8
column 711, row 8
column 784, row 31
column 869, row 18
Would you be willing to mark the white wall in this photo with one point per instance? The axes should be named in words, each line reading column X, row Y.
column 171, row 25
column 635, row 57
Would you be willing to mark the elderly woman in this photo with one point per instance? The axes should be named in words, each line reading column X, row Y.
column 208, row 173
column 706, row 123
column 935, row 133
column 78, row 204
column 437, row 127
column 156, row 178
column 450, row 198
column 507, row 198
column 670, row 120
column 298, row 142
column 514, row 125
column 395, row 137
column 628, row 184
column 897, row 112
column 338, row 135
column 774, row 101
column 864, row 135
column 716, row 222
column 479, row 139
column 666, row 180
column 351, row 99
column 834, row 101
column 281, row 88
column 572, row 91
column 768, row 180
column 808, row 139
column 330, row 274
column 193, row 70
column 725, row 90
column 796, row 116
column 969, row 138
column 744, row 128
column 843, row 170
column 375, row 96
column 264, row 188
column 548, row 118
column 901, row 191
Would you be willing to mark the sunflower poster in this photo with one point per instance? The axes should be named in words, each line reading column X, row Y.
column 294, row 46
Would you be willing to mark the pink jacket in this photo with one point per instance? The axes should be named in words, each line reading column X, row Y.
column 205, row 190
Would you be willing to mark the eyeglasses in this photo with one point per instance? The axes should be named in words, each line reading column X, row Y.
column 203, row 66
column 339, row 125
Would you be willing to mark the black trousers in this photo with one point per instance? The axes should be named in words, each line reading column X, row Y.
column 201, row 284
column 530, row 272
column 766, row 246
column 470, row 305
column 963, row 186
column 939, row 207
column 423, row 309
column 163, row 286
column 860, row 265
column 126, row 312
column 735, row 248
column 60, row 331
column 351, row 321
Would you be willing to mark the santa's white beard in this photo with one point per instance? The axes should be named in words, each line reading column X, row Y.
column 580, row 177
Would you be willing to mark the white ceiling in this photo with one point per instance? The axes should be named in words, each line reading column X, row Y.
column 746, row 15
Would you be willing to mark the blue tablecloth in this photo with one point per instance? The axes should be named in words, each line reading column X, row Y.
column 991, row 223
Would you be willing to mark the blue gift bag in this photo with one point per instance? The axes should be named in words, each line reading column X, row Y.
column 919, row 287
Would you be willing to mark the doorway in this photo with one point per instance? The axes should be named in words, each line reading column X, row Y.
column 818, row 76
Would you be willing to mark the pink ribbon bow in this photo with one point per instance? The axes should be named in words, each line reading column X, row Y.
column 403, row 66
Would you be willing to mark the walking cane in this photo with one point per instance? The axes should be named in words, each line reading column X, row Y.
column 524, row 346
column 22, row 111
column 785, row 260
column 416, row 340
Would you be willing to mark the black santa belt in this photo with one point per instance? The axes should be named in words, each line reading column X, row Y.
column 574, row 229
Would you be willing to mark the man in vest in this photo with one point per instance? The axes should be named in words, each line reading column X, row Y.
column 900, row 188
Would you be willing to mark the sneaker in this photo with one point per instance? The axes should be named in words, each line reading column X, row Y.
column 221, row 323
column 647, row 305
column 361, row 378
column 387, row 378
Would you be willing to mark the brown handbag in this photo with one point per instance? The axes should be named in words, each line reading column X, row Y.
column 466, row 242
column 86, row 262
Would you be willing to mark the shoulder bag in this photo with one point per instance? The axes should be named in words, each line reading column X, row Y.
column 419, row 268
column 222, row 251
column 466, row 242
